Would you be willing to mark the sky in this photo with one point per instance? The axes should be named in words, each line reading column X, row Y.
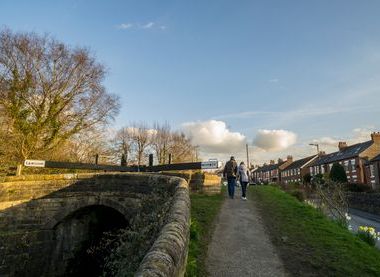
column 276, row 75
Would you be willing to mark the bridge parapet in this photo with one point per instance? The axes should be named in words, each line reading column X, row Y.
column 31, row 208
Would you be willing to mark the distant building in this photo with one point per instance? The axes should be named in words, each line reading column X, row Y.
column 296, row 170
column 270, row 173
column 353, row 158
column 373, row 172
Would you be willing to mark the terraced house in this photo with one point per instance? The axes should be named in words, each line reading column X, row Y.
column 296, row 170
column 353, row 158
column 271, row 173
column 373, row 172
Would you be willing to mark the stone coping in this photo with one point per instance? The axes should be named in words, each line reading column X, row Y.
column 168, row 255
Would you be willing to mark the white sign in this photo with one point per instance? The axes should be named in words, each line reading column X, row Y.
column 34, row 163
column 210, row 165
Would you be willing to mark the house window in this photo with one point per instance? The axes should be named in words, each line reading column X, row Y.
column 372, row 170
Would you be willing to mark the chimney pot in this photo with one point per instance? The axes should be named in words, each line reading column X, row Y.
column 375, row 136
column 289, row 158
column 342, row 145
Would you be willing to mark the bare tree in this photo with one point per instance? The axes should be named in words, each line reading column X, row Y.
column 160, row 141
column 122, row 144
column 49, row 92
column 141, row 138
column 181, row 148
column 83, row 147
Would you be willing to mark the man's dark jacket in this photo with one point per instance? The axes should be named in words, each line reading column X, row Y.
column 230, row 169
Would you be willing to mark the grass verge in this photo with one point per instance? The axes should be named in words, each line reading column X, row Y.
column 309, row 243
column 204, row 209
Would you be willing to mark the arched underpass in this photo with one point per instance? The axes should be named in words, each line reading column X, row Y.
column 50, row 225
column 77, row 250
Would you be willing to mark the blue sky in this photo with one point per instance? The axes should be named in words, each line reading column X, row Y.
column 308, row 67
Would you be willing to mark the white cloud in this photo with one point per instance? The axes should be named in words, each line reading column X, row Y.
column 125, row 26
column 358, row 135
column 274, row 80
column 148, row 25
column 297, row 113
column 214, row 137
column 274, row 140
column 326, row 141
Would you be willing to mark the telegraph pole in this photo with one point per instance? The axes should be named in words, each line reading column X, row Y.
column 246, row 148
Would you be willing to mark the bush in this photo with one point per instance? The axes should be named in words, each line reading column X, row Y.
column 299, row 194
column 307, row 178
column 338, row 173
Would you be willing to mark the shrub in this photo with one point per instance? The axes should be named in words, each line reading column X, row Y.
column 318, row 179
column 307, row 178
column 299, row 194
column 338, row 173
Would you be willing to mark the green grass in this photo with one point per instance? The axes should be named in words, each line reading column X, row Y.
column 204, row 209
column 309, row 243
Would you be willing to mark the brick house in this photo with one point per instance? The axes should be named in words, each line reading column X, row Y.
column 353, row 158
column 296, row 170
column 373, row 172
column 270, row 173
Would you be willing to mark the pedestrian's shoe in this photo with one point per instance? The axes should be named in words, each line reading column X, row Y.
column 244, row 198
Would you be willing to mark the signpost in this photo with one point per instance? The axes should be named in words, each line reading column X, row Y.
column 214, row 164
column 34, row 163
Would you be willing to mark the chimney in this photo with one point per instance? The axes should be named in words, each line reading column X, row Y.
column 271, row 162
column 280, row 160
column 342, row 145
column 289, row 158
column 322, row 153
column 375, row 136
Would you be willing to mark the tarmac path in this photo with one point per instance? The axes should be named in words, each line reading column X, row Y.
column 240, row 245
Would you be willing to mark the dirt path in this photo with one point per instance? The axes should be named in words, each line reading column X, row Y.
column 240, row 246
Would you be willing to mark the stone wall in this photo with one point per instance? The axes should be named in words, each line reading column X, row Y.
column 368, row 202
column 31, row 208
column 200, row 181
column 168, row 255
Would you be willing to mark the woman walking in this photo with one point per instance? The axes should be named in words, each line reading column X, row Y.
column 243, row 177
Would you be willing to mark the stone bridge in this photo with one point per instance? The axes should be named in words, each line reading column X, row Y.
column 44, row 220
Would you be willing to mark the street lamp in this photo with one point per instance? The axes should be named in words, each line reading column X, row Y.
column 315, row 144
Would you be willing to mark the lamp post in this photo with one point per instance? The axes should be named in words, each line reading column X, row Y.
column 317, row 145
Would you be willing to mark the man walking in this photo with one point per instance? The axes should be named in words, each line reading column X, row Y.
column 230, row 172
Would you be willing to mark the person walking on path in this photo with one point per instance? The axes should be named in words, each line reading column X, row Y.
column 230, row 172
column 243, row 178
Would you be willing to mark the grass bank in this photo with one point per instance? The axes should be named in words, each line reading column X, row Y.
column 204, row 210
column 309, row 243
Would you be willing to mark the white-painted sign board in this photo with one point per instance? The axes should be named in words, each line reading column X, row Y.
column 34, row 163
column 210, row 165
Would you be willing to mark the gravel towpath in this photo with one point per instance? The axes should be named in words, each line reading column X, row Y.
column 240, row 245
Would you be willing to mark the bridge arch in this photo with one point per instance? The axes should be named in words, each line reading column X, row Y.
column 127, row 210
column 79, row 240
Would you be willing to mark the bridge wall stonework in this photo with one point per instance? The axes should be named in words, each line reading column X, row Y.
column 32, row 206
